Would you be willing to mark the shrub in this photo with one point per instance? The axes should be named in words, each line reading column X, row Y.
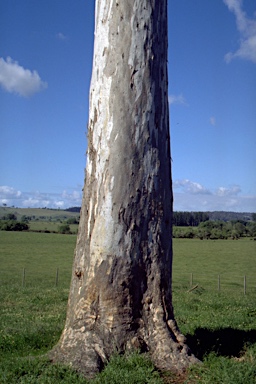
column 12, row 225
column 10, row 216
column 72, row 220
column 25, row 219
column 64, row 229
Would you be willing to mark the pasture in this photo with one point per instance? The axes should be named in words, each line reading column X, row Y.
column 211, row 260
column 220, row 325
column 42, row 214
column 42, row 219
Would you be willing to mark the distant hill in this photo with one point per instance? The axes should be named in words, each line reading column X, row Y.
column 41, row 214
column 45, row 213
column 73, row 209
column 228, row 216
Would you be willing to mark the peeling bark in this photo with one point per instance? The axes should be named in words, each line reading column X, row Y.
column 120, row 295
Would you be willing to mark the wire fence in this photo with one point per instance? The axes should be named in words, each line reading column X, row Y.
column 215, row 282
column 186, row 281
column 29, row 277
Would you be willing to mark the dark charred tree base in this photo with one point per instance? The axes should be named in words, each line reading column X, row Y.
column 121, row 312
column 174, row 356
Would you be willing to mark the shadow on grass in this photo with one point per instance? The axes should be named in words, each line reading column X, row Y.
column 227, row 342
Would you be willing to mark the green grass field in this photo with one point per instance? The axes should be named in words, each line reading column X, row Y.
column 220, row 326
column 49, row 226
column 38, row 213
column 40, row 254
column 208, row 259
column 42, row 220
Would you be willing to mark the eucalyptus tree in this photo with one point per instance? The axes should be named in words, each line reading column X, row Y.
column 120, row 296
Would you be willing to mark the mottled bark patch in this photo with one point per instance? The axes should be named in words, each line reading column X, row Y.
column 120, row 295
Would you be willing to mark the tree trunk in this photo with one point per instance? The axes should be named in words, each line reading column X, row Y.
column 120, row 295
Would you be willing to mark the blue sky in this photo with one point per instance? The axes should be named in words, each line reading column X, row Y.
column 46, row 50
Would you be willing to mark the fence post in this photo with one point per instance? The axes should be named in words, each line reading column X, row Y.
column 244, row 285
column 23, row 277
column 218, row 282
column 57, row 277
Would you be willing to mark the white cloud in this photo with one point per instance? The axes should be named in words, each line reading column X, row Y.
column 212, row 121
column 12, row 197
column 61, row 36
column 8, row 192
column 231, row 191
column 74, row 196
column 188, row 196
column 192, row 187
column 177, row 99
column 32, row 202
column 192, row 196
column 247, row 29
column 190, row 202
column 16, row 79
column 60, row 204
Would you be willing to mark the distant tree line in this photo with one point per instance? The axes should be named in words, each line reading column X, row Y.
column 229, row 216
column 214, row 230
column 185, row 225
column 193, row 219
column 73, row 209
column 189, row 219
